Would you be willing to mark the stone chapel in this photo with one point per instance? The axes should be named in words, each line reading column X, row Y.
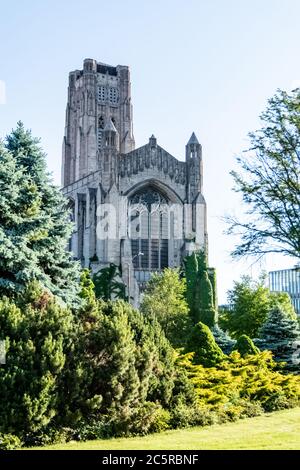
column 139, row 208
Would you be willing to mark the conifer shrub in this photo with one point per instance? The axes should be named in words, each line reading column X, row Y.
column 242, row 386
column 245, row 346
column 38, row 332
column 202, row 343
column 124, row 372
column 281, row 334
column 200, row 293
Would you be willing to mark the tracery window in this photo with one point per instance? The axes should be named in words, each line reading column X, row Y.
column 149, row 232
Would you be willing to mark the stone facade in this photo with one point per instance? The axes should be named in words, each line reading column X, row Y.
column 141, row 209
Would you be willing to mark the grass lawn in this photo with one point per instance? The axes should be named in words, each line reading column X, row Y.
column 279, row 430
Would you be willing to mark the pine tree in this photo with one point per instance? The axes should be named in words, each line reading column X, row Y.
column 38, row 332
column 122, row 364
column 34, row 222
column 281, row 335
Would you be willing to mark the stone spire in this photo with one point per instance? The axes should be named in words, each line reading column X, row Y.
column 193, row 139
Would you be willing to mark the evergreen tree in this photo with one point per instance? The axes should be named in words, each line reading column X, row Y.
column 122, row 364
column 245, row 346
column 34, row 222
column 281, row 335
column 222, row 339
column 200, row 294
column 202, row 343
column 39, row 334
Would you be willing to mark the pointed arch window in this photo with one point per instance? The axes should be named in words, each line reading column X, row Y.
column 149, row 232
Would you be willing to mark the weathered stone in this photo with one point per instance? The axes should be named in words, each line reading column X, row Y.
column 103, row 173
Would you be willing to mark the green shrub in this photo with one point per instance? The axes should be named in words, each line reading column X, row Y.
column 183, row 416
column 122, row 365
column 279, row 401
column 49, row 435
column 201, row 292
column 39, row 334
column 9, row 442
column 228, row 387
column 202, row 343
column 245, row 346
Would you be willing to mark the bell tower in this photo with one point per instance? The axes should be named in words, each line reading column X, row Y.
column 98, row 95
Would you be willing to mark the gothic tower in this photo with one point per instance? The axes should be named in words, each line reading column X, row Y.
column 141, row 209
column 98, row 95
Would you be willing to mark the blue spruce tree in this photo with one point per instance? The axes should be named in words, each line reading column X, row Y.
column 34, row 222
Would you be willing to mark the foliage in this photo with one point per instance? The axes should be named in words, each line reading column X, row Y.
column 278, row 430
column 9, row 442
column 164, row 299
column 107, row 283
column 202, row 343
column 38, row 332
column 34, row 222
column 222, row 339
column 236, row 384
column 212, row 276
column 121, row 365
column 245, row 346
column 185, row 415
column 250, row 302
column 87, row 287
column 283, row 301
column 281, row 335
column 200, row 295
column 107, row 365
column 269, row 182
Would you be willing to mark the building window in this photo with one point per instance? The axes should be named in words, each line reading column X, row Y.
column 113, row 95
column 101, row 93
column 149, row 231
column 100, row 131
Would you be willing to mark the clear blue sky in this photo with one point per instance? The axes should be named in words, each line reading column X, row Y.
column 196, row 65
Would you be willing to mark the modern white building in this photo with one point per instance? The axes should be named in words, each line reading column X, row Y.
column 287, row 280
